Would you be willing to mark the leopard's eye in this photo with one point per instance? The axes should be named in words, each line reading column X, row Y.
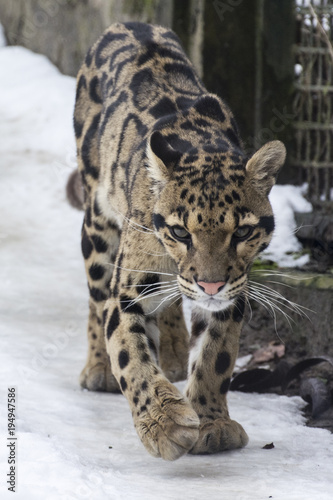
column 180, row 233
column 243, row 232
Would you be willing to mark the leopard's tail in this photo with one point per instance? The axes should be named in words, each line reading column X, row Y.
column 74, row 190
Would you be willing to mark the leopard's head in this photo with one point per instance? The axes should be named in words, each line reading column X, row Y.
column 212, row 214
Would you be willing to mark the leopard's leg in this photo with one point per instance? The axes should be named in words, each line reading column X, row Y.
column 100, row 240
column 164, row 420
column 213, row 352
column 174, row 342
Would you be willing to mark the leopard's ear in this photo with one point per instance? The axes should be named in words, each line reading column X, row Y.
column 161, row 158
column 263, row 167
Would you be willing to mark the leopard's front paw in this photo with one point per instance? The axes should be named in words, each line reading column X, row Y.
column 219, row 435
column 97, row 376
column 167, row 425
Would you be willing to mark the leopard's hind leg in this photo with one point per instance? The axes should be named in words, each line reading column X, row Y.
column 99, row 254
column 100, row 235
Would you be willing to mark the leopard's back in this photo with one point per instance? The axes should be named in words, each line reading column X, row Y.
column 137, row 79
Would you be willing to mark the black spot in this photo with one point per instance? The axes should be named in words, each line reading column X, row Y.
column 222, row 219
column 87, row 217
column 202, row 400
column 158, row 221
column 143, row 408
column 224, row 387
column 210, row 106
column 214, row 333
column 267, row 223
column 145, row 358
column 222, row 362
column 183, row 194
column 228, row 199
column 235, row 195
column 144, row 385
column 98, row 354
column 190, row 159
column 113, row 323
column 96, row 271
column 148, row 401
column 198, row 328
column 191, row 199
column 135, row 400
column 238, row 311
column 263, row 247
column 199, row 217
column 97, row 294
column 97, row 210
column 78, row 127
column 123, row 384
column 94, row 90
column 123, row 359
column 94, row 336
column 164, row 107
column 100, row 245
column 128, row 305
column 86, row 245
column 137, row 328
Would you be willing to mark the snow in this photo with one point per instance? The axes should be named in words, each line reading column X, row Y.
column 286, row 200
column 74, row 444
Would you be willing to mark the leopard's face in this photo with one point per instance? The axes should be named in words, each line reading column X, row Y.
column 213, row 226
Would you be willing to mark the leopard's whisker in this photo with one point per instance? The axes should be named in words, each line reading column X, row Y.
column 132, row 223
column 279, row 298
column 152, row 284
column 250, row 307
column 169, row 297
column 148, row 294
column 262, row 299
column 267, row 304
column 154, row 292
column 143, row 271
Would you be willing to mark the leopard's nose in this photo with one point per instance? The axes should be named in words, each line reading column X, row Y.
column 211, row 288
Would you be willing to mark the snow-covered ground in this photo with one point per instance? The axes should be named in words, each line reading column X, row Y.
column 74, row 444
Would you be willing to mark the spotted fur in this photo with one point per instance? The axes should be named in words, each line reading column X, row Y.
column 173, row 209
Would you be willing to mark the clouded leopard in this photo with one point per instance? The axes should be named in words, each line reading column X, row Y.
column 173, row 210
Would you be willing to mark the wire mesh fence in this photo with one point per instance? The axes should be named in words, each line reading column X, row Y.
column 313, row 102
